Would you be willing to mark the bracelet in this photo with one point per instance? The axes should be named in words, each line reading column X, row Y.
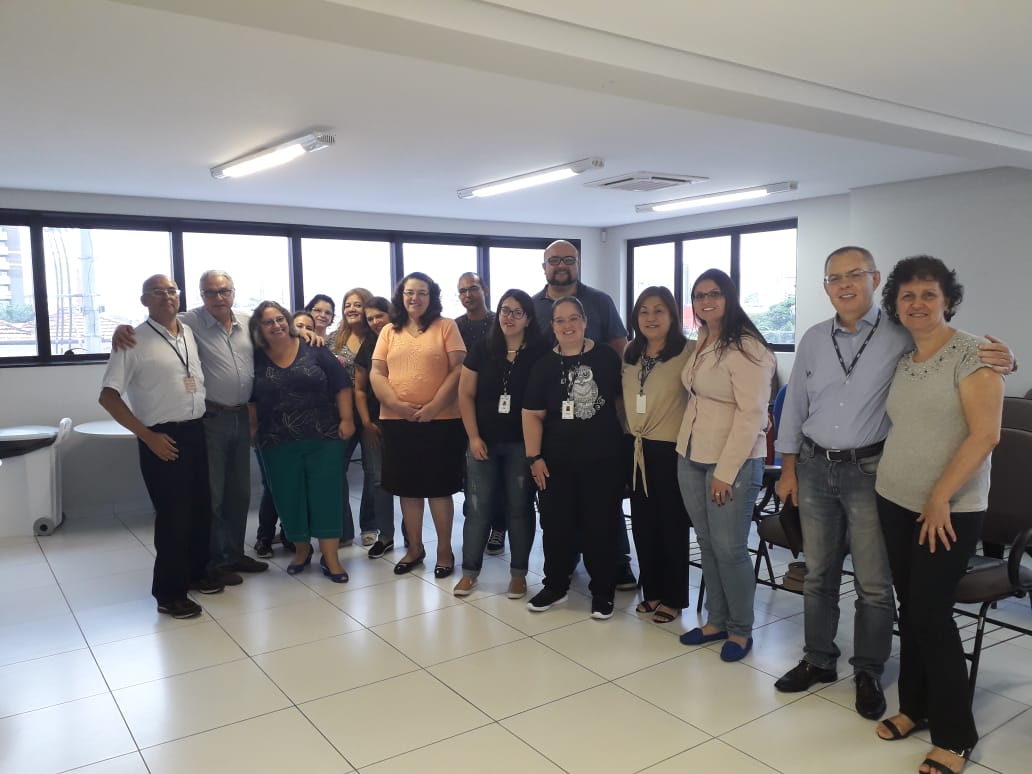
column 535, row 458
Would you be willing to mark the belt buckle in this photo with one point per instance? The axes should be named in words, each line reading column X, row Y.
column 829, row 452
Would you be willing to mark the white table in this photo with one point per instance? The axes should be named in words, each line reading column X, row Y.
column 103, row 428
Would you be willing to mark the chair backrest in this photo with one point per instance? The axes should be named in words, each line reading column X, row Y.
column 1010, row 508
column 1017, row 413
column 779, row 404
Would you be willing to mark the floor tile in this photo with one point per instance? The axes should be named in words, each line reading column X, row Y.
column 163, row 710
column 39, row 637
column 580, row 736
column 26, row 574
column 20, row 551
column 515, row 677
column 445, row 634
column 514, row 612
column 167, row 653
column 123, row 620
column 63, row 736
column 380, row 721
column 261, row 631
column 258, row 592
column 33, row 604
column 371, row 606
column 1007, row 748
column 104, row 590
column 43, row 682
column 327, row 666
column 123, row 764
column 1007, row 670
column 711, row 756
column 254, row 745
column 72, row 567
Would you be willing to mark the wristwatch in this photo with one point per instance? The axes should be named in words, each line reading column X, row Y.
column 535, row 458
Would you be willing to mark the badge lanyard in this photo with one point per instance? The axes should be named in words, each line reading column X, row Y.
column 188, row 381
column 647, row 364
column 566, row 382
column 856, row 358
column 505, row 399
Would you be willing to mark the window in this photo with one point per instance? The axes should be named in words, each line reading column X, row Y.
column 259, row 266
column 515, row 267
column 17, row 294
column 94, row 278
column 334, row 266
column 444, row 264
column 760, row 258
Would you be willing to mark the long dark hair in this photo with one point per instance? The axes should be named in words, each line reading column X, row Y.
column 532, row 336
column 675, row 338
column 400, row 315
column 736, row 323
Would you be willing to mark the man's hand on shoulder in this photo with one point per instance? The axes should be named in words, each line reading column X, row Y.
column 124, row 337
column 998, row 356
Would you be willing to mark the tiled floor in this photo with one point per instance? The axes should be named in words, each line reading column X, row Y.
column 394, row 674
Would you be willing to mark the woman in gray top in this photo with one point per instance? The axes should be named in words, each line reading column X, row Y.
column 933, row 490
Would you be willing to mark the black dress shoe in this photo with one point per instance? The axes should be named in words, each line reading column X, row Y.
column 870, row 699
column 403, row 567
column 803, row 676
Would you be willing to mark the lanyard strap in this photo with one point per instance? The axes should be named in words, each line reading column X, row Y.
column 564, row 381
column 507, row 369
column 647, row 364
column 174, row 348
column 856, row 358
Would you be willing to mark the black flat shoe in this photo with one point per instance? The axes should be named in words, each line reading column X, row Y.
column 870, row 699
column 444, row 570
column 403, row 567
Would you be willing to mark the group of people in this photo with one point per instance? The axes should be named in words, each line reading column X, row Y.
column 544, row 397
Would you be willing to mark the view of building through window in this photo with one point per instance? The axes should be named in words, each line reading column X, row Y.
column 17, row 300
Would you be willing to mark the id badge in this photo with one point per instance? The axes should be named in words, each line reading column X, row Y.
column 567, row 409
column 190, row 383
column 504, row 403
column 639, row 404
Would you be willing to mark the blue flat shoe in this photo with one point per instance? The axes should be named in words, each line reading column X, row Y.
column 294, row 569
column 696, row 637
column 336, row 577
column 732, row 651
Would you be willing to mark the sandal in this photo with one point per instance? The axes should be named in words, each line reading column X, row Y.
column 646, row 607
column 665, row 616
column 938, row 767
column 919, row 725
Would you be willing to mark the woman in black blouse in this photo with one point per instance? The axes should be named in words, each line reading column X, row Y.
column 303, row 412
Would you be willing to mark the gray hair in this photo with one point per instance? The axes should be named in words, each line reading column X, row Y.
column 210, row 273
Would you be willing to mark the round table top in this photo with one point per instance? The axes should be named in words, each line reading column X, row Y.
column 107, row 428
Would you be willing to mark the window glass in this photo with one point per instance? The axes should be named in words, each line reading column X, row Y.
column 17, row 302
column 94, row 278
column 334, row 266
column 698, row 255
column 444, row 264
column 259, row 266
column 652, row 265
column 515, row 267
column 768, row 272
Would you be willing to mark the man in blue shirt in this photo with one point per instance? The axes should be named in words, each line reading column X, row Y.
column 832, row 430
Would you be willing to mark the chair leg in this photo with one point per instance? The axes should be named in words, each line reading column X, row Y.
column 702, row 594
column 976, row 651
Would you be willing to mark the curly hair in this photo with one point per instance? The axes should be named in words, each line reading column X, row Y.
column 400, row 315
column 675, row 338
column 922, row 267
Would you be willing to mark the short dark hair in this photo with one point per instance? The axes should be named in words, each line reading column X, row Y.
column 400, row 315
column 675, row 339
column 532, row 335
column 736, row 323
column 321, row 297
column 255, row 325
column 379, row 302
column 868, row 258
column 569, row 300
column 922, row 267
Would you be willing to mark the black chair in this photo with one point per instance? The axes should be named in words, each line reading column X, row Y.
column 1008, row 522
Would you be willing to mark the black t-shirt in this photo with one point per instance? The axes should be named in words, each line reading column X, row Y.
column 474, row 331
column 364, row 359
column 593, row 383
column 492, row 373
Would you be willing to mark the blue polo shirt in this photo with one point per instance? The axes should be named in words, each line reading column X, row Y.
column 604, row 323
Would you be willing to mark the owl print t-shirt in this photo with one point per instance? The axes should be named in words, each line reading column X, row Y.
column 592, row 382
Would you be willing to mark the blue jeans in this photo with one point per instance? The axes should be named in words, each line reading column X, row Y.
column 838, row 512
column 229, row 471
column 723, row 534
column 505, row 469
column 382, row 501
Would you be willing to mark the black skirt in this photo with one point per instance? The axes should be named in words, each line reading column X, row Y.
column 423, row 459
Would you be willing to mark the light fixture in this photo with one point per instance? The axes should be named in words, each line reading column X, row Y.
column 724, row 197
column 540, row 177
column 275, row 155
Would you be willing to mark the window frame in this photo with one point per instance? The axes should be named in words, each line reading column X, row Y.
column 734, row 232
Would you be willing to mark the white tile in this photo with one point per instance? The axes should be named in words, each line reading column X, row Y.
column 26, row 574
column 261, row 631
column 375, row 605
column 63, row 737
column 380, row 721
column 515, row 677
column 73, row 567
column 104, row 590
column 123, row 764
column 711, row 756
column 445, row 634
column 1007, row 748
column 279, row 742
column 172, row 652
column 163, row 710
column 124, row 620
column 327, row 666
column 627, row 735
column 39, row 637
column 32, row 604
column 1007, row 670
column 258, row 592
column 43, row 682
column 20, row 551
column 514, row 612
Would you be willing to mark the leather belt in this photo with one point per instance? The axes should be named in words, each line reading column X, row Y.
column 846, row 455
column 213, row 409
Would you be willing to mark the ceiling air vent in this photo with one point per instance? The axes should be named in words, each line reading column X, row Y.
column 644, row 181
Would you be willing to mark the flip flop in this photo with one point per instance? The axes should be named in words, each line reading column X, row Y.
column 646, row 607
column 919, row 725
column 664, row 617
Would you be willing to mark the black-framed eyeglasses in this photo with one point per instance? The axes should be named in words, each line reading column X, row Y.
column 163, row 292
column 713, row 295
column 516, row 314
column 850, row 276
column 469, row 289
column 555, row 260
column 220, row 293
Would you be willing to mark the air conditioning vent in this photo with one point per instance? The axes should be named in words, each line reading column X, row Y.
column 640, row 182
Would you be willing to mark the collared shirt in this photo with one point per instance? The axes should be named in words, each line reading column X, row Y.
column 834, row 410
column 604, row 323
column 151, row 374
column 227, row 357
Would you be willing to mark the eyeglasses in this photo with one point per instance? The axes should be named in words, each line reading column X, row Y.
column 221, row 293
column 573, row 318
column 163, row 292
column 415, row 293
column 713, row 295
column 317, row 312
column 555, row 260
column 470, row 289
column 272, row 323
column 516, row 314
column 850, row 276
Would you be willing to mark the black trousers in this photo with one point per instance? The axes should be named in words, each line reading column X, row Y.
column 181, row 496
column 933, row 677
column 580, row 511
column 661, row 526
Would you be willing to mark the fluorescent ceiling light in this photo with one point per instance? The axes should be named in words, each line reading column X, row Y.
column 275, row 155
column 540, row 177
column 723, row 197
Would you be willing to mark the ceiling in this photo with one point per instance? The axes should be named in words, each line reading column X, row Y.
column 141, row 97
